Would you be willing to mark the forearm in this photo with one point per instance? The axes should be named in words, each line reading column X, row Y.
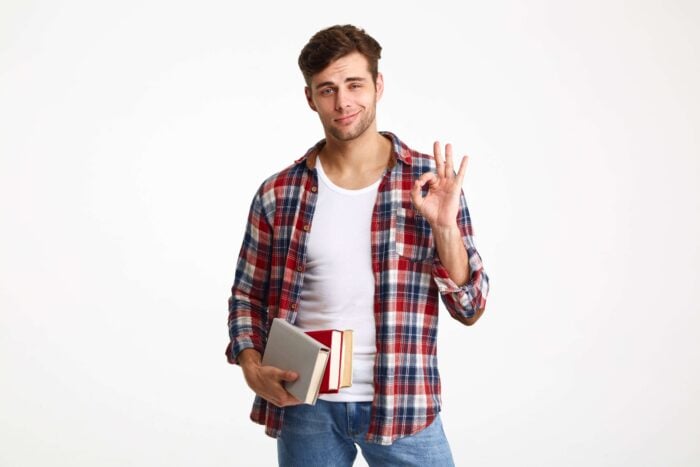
column 465, row 302
column 249, row 357
column 452, row 253
column 463, row 289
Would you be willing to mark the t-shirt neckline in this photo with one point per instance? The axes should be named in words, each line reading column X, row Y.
column 345, row 191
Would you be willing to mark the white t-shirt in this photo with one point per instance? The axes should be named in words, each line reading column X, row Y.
column 338, row 287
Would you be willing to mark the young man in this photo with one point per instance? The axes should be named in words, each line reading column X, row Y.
column 360, row 233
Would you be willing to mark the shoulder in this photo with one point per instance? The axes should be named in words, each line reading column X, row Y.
column 283, row 186
column 422, row 162
column 419, row 162
column 289, row 176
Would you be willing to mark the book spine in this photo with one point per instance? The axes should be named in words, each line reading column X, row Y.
column 325, row 338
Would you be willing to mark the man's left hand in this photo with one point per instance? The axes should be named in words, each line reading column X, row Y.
column 441, row 205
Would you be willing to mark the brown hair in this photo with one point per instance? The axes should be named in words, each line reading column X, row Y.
column 335, row 42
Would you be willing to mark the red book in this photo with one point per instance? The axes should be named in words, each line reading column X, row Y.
column 338, row 373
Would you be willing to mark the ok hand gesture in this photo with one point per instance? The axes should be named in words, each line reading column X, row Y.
column 441, row 205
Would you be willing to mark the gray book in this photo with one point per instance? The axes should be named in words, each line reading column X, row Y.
column 290, row 348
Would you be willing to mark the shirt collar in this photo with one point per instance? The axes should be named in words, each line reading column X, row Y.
column 400, row 151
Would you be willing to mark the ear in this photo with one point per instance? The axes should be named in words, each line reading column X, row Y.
column 379, row 86
column 307, row 93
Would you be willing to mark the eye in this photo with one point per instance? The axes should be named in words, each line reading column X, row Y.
column 327, row 91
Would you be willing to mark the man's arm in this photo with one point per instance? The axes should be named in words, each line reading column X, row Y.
column 458, row 270
column 247, row 319
column 247, row 306
column 453, row 254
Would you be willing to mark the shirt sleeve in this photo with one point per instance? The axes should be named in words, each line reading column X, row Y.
column 466, row 300
column 247, row 306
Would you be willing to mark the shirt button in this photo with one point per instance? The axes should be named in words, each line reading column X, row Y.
column 294, row 306
column 300, row 268
column 307, row 227
column 314, row 189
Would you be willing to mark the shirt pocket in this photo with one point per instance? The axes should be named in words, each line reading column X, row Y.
column 413, row 235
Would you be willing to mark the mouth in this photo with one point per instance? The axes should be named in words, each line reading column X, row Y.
column 347, row 118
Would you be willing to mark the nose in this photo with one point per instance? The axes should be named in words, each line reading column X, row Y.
column 341, row 100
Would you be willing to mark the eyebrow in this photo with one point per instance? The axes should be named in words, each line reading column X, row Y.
column 347, row 80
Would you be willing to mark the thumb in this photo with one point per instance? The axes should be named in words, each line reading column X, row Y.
column 288, row 375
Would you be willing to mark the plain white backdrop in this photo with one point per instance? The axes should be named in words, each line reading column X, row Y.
column 134, row 134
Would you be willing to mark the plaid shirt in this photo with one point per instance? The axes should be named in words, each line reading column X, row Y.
column 408, row 279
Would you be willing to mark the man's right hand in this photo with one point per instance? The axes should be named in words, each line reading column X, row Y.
column 266, row 381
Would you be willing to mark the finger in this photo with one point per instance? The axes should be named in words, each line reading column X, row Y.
column 416, row 191
column 279, row 374
column 282, row 398
column 449, row 166
column 274, row 401
column 288, row 376
column 423, row 179
column 420, row 183
column 416, row 196
column 272, row 395
column 439, row 163
column 276, row 392
column 462, row 169
column 289, row 399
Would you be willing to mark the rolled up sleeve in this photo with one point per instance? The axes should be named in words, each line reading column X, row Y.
column 467, row 300
column 247, row 305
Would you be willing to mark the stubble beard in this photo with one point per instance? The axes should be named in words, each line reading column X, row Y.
column 354, row 132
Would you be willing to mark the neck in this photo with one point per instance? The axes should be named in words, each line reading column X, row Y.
column 368, row 151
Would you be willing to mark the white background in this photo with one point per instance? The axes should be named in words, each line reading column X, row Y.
column 134, row 134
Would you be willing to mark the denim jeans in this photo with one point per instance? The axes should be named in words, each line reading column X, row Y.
column 328, row 433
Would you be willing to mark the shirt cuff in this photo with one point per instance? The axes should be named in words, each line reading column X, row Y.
column 443, row 280
column 469, row 298
column 444, row 283
column 238, row 345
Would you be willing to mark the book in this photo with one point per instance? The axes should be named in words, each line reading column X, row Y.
column 338, row 373
column 346, row 365
column 290, row 348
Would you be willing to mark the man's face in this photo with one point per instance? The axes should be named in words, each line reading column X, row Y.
column 345, row 97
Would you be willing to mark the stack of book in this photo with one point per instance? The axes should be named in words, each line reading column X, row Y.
column 321, row 358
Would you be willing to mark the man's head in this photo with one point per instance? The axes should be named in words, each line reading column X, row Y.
column 330, row 44
column 343, row 83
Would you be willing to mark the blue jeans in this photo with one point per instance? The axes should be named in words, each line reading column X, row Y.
column 328, row 433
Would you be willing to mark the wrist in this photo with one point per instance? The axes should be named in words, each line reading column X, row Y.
column 446, row 231
column 249, row 358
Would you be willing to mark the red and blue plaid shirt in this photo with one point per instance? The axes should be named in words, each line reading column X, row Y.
column 408, row 278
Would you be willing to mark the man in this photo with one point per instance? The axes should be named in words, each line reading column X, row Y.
column 360, row 233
